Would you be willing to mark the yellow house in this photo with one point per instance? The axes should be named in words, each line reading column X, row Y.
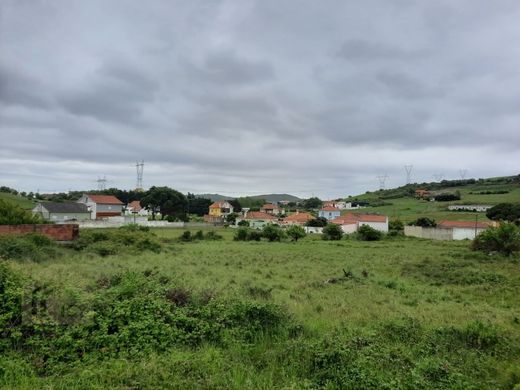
column 219, row 209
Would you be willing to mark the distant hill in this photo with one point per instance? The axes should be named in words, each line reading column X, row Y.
column 273, row 198
column 400, row 202
column 17, row 200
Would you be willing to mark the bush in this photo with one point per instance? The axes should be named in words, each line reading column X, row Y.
column 241, row 234
column 332, row 232
column 505, row 212
column 243, row 223
column 199, row 235
column 296, row 232
column 368, row 233
column 396, row 225
column 11, row 214
column 186, row 236
column 254, row 235
column 504, row 239
column 273, row 233
column 318, row 222
column 212, row 236
column 424, row 222
column 33, row 247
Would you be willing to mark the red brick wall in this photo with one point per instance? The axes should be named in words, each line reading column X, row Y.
column 67, row 232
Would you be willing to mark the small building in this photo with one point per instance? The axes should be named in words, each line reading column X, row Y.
column 62, row 212
column 257, row 219
column 102, row 206
column 422, row 193
column 339, row 204
column 271, row 208
column 298, row 219
column 134, row 207
column 329, row 213
column 464, row 229
column 351, row 222
column 220, row 209
column 479, row 208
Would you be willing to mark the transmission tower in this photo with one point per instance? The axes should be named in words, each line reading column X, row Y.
column 438, row 177
column 462, row 173
column 101, row 183
column 382, row 180
column 408, row 169
column 140, row 168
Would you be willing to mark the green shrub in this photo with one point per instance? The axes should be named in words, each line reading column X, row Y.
column 212, row 236
column 243, row 222
column 273, row 233
column 296, row 232
column 368, row 233
column 199, row 235
column 186, row 236
column 241, row 234
column 11, row 214
column 31, row 247
column 505, row 239
column 11, row 293
column 424, row 222
column 332, row 232
column 254, row 235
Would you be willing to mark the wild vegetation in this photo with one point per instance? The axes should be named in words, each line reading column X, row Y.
column 139, row 308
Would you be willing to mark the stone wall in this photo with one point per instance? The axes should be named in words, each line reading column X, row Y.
column 65, row 232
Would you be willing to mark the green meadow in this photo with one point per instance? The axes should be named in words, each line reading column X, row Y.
column 142, row 310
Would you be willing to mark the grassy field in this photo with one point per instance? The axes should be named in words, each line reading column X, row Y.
column 17, row 200
column 398, row 313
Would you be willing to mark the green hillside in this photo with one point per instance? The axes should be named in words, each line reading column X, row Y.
column 17, row 200
column 401, row 203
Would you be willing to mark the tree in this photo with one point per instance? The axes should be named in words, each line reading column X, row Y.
column 368, row 233
column 296, row 232
column 11, row 214
column 424, row 222
column 237, row 207
column 317, row 222
column 312, row 203
column 505, row 239
column 273, row 233
column 332, row 232
column 231, row 218
column 198, row 206
column 167, row 201
column 505, row 212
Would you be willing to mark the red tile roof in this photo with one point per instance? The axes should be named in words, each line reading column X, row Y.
column 105, row 199
column 218, row 205
column 299, row 217
column 329, row 208
column 259, row 215
column 352, row 218
column 269, row 206
column 463, row 224
column 135, row 205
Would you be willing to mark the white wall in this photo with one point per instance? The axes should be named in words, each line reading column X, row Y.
column 465, row 233
column 381, row 226
column 349, row 228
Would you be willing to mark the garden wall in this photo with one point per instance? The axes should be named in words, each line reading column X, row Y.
column 64, row 232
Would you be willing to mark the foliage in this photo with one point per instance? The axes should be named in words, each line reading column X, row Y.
column 505, row 239
column 318, row 222
column 245, row 234
column 11, row 214
column 250, row 202
column 127, row 239
column 312, row 203
column 504, row 212
column 167, row 201
column 32, row 247
column 231, row 218
column 395, row 227
column 198, row 206
column 332, row 232
column 237, row 207
column 243, row 222
column 424, row 222
column 273, row 232
column 295, row 232
column 368, row 233
column 447, row 197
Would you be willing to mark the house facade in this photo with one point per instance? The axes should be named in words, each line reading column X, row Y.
column 298, row 219
column 134, row 207
column 271, row 208
column 351, row 222
column 257, row 219
column 102, row 206
column 62, row 212
column 463, row 230
column 329, row 213
column 220, row 209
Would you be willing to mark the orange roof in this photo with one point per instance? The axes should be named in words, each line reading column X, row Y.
column 218, row 205
column 269, row 206
column 299, row 217
column 329, row 208
column 135, row 205
column 258, row 215
column 463, row 224
column 352, row 218
column 105, row 199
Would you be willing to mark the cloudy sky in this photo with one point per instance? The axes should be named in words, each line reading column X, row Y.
column 248, row 97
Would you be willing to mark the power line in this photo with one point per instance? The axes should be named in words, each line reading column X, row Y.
column 382, row 180
column 101, row 183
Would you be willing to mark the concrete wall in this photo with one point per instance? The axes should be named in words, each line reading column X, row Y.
column 64, row 232
column 429, row 233
column 465, row 233
column 349, row 228
column 381, row 226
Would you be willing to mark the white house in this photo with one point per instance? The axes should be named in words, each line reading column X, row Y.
column 102, row 206
column 61, row 212
column 470, row 207
column 351, row 222
column 134, row 207
column 329, row 212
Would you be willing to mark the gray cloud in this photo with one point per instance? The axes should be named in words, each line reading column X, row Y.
column 257, row 96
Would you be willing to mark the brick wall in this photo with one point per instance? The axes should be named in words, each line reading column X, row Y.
column 66, row 232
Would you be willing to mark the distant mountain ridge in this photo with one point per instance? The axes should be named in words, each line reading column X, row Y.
column 272, row 198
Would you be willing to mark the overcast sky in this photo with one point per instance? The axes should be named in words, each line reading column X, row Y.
column 248, row 97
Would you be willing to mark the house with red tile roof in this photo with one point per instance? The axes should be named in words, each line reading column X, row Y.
column 464, row 229
column 351, row 222
column 257, row 219
column 134, row 207
column 298, row 218
column 329, row 212
column 271, row 208
column 102, row 206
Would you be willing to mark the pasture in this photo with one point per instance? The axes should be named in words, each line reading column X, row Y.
column 398, row 313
